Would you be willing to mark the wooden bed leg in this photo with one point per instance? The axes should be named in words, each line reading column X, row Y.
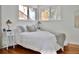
column 60, row 51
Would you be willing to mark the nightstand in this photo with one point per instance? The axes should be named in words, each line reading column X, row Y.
column 10, row 37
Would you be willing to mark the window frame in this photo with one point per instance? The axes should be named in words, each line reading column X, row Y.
column 38, row 8
column 28, row 16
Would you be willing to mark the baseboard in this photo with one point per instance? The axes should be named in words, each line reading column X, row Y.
column 8, row 46
column 75, row 43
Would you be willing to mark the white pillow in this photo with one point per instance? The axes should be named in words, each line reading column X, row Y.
column 31, row 28
column 21, row 29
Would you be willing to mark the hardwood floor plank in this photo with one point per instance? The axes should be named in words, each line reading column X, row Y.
column 70, row 49
column 18, row 50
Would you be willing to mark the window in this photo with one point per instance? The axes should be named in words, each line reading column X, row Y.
column 45, row 15
column 49, row 13
column 23, row 12
column 42, row 13
column 32, row 14
column 53, row 13
column 27, row 13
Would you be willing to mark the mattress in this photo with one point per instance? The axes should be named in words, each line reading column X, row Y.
column 41, row 41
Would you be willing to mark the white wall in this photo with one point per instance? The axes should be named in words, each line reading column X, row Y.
column 68, row 17
column 0, row 30
column 65, row 25
column 0, row 18
column 8, row 12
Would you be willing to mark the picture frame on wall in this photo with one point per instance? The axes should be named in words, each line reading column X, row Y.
column 76, row 19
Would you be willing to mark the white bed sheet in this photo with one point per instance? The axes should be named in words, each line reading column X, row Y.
column 41, row 41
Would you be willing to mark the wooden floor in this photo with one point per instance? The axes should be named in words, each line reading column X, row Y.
column 70, row 49
column 17, row 50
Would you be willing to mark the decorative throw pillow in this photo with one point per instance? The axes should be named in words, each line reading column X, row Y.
column 21, row 29
column 31, row 28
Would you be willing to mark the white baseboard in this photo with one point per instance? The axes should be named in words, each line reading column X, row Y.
column 6, row 46
column 73, row 43
column 66, row 43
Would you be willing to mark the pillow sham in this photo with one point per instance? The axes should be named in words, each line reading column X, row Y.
column 21, row 28
column 31, row 28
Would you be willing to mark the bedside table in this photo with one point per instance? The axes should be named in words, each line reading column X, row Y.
column 10, row 36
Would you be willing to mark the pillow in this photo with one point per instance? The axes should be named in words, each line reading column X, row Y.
column 21, row 29
column 31, row 28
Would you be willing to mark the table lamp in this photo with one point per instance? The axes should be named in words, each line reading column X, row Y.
column 8, row 22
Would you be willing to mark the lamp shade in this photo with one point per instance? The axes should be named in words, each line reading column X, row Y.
column 8, row 22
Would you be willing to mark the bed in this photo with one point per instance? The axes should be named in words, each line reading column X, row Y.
column 41, row 41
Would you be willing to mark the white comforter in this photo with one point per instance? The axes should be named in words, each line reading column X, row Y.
column 41, row 41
